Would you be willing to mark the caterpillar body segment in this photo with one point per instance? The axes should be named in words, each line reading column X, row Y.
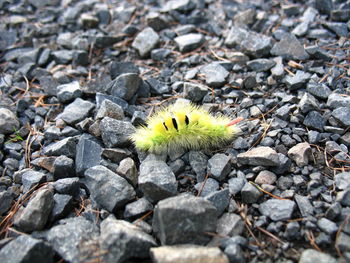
column 184, row 126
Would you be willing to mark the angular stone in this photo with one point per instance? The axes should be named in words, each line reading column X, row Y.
column 266, row 177
column 35, row 215
column 327, row 226
column 342, row 242
column 230, row 224
column 63, row 204
column 88, row 153
column 343, row 197
column 342, row 180
column 145, row 41
column 8, row 121
column 76, row 111
column 116, row 133
column 188, row 254
column 110, row 109
column 314, row 120
column 264, row 156
column 277, row 210
column 300, row 153
column 120, row 67
column 194, row 91
column 319, row 90
column 69, row 186
column 289, row 48
column 25, row 249
column 336, row 100
column 189, row 42
column 73, row 238
column 219, row 166
column 215, row 74
column 125, row 86
column 198, row 162
column 312, row 255
column 220, row 199
column 31, row 179
column 65, row 147
column 342, row 114
column 137, row 208
column 250, row 194
column 297, row 81
column 156, row 180
column 6, row 199
column 261, row 64
column 69, row 92
column 179, row 5
column 250, row 43
column 308, row 103
column 305, row 207
column 108, row 189
column 123, row 241
column 236, row 184
column 63, row 167
column 207, row 187
column 184, row 219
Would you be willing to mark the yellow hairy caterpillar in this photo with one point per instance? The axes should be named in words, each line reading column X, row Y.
column 184, row 126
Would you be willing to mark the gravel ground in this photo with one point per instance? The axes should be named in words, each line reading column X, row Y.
column 77, row 77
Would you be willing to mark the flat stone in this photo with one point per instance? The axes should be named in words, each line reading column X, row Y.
column 88, row 153
column 125, row 86
column 230, row 224
column 8, row 121
column 25, row 249
column 187, row 254
column 289, row 47
column 336, row 100
column 115, row 154
column 342, row 180
column 68, row 92
column 116, row 133
column 220, row 199
column 72, row 239
column 184, row 219
column 327, row 226
column 66, row 146
column 156, row 180
column 264, row 156
column 297, row 81
column 261, row 64
column 265, row 177
column 219, row 166
column 305, row 207
column 110, row 109
column 128, row 170
column 123, row 241
column 215, row 74
column 189, row 42
column 207, row 187
column 31, row 179
column 69, row 186
column 277, row 210
column 194, row 91
column 108, row 189
column 157, row 87
column 250, row 43
column 300, row 153
column 76, row 111
column 342, row 114
column 314, row 120
column 35, row 215
column 312, row 255
column 145, row 41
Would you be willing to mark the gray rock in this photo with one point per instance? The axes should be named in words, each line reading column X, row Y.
column 342, row 114
column 189, row 42
column 235, row 253
column 207, row 187
column 35, row 215
column 76, row 111
column 278, row 69
column 297, row 81
column 66, row 146
column 251, row 43
column 187, row 253
column 73, row 238
column 184, row 219
column 342, row 180
column 324, row 6
column 266, row 177
column 300, row 153
column 115, row 154
column 179, row 5
column 69, row 92
column 120, row 67
column 128, row 170
column 250, row 194
column 108, row 189
column 333, row 211
column 145, row 41
column 236, row 185
column 338, row 28
column 198, row 162
column 219, row 166
column 343, row 197
column 314, row 120
column 156, row 180
column 319, row 90
column 318, row 53
column 88, row 153
column 157, row 87
column 25, row 249
column 8, row 121
column 31, row 178
column 69, row 186
column 125, row 86
column 116, row 133
column 123, row 241
column 220, row 199
column 260, row 64
column 277, row 210
column 305, row 207
column 264, row 156
column 194, row 91
column 215, row 74
column 343, row 242
column 6, row 199
column 230, row 224
column 327, row 226
column 110, row 109
column 308, row 103
column 289, row 48
column 312, row 255
column 63, row 167
column 63, row 204
column 137, row 208
column 101, row 97
column 336, row 100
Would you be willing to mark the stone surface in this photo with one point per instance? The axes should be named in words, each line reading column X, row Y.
column 264, row 156
column 137, row 208
column 220, row 199
column 260, row 64
column 69, row 92
column 125, row 86
column 342, row 114
column 63, row 204
column 314, row 120
column 215, row 74
column 265, row 177
column 8, row 121
column 289, row 47
column 184, row 219
column 63, row 167
column 194, row 91
column 108, row 189
column 277, row 210
column 187, row 254
column 35, row 215
column 66, row 146
column 189, row 42
column 76, row 111
column 300, row 153
column 336, row 100
column 6, row 200
column 219, row 166
column 342, row 180
column 312, row 255
column 25, row 249
column 116, row 133
column 128, row 170
column 31, row 179
column 305, row 207
column 145, row 41
column 230, row 224
column 250, row 194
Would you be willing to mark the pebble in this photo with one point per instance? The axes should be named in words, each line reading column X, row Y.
column 300, row 153
column 68, row 92
column 314, row 120
column 219, row 166
column 189, row 42
column 194, row 92
column 264, row 156
column 230, row 224
column 289, row 47
column 76, row 111
column 146, row 41
column 341, row 114
column 215, row 74
column 265, row 177
column 124, row 86
column 115, row 133
column 8, row 121
column 250, row 194
column 342, row 180
column 277, row 210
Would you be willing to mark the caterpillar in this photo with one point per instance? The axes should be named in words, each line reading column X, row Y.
column 184, row 126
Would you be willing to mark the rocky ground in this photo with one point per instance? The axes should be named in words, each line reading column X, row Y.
column 78, row 76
